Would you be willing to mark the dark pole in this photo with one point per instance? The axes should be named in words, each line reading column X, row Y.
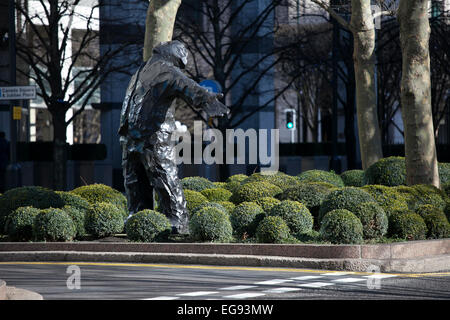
column 335, row 162
column 13, row 172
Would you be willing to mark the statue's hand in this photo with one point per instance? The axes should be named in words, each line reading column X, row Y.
column 215, row 108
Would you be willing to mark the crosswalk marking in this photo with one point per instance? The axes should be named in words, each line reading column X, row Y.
column 306, row 278
column 245, row 295
column 380, row 276
column 197, row 293
column 282, row 290
column 238, row 288
column 162, row 298
column 274, row 281
column 335, row 274
column 316, row 284
column 349, row 280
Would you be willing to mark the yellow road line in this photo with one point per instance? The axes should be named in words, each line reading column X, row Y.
column 176, row 266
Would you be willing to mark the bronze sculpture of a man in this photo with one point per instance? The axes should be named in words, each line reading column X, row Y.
column 146, row 123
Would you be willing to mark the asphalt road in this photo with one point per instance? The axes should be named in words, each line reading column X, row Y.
column 88, row 281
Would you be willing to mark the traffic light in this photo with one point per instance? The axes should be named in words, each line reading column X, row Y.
column 290, row 119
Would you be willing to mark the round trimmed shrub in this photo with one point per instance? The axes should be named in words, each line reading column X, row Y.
column 253, row 191
column 346, row 198
column 217, row 194
column 229, row 206
column 421, row 194
column 353, row 178
column 311, row 236
column 444, row 172
column 33, row 196
column 78, row 218
column 389, row 171
column 273, row 229
column 235, row 181
column 104, row 219
column 53, row 225
column 19, row 224
column 341, row 226
column 267, row 203
column 245, row 218
column 373, row 219
column 296, row 215
column 387, row 198
column 197, row 183
column 321, row 176
column 73, row 200
column 435, row 220
column 310, row 194
column 210, row 224
column 193, row 199
column 278, row 179
column 219, row 184
column 97, row 193
column 447, row 210
column 446, row 188
column 210, row 205
column 148, row 226
column 409, row 226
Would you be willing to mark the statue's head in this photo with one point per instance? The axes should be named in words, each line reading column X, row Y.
column 173, row 51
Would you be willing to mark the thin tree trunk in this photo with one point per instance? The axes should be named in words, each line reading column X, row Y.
column 159, row 24
column 59, row 149
column 420, row 149
column 366, row 103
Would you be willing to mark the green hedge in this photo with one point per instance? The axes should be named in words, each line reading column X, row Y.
column 353, row 178
column 148, row 226
column 33, row 196
column 78, row 217
column 418, row 195
column 74, row 200
column 279, row 179
column 245, row 219
column 193, row 199
column 409, row 226
column 53, row 225
column 310, row 194
column 346, row 198
column 321, row 176
column 216, row 194
column 373, row 219
column 197, row 183
column 235, row 181
column 388, row 198
column 341, row 226
column 253, row 191
column 210, row 224
column 210, row 205
column 273, row 229
column 267, row 203
column 19, row 224
column 97, row 193
column 435, row 220
column 229, row 206
column 104, row 219
column 444, row 172
column 387, row 172
column 296, row 215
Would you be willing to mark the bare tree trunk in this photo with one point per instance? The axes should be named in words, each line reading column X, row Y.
column 366, row 102
column 159, row 25
column 59, row 149
column 420, row 149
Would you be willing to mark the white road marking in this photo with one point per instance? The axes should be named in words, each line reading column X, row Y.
column 274, row 281
column 306, row 277
column 197, row 293
column 336, row 274
column 282, row 290
column 349, row 280
column 238, row 288
column 316, row 284
column 245, row 295
column 380, row 276
column 162, row 298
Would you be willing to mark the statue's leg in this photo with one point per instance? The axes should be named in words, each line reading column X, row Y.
column 137, row 187
column 163, row 173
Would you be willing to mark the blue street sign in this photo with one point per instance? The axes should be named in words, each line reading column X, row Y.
column 211, row 85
